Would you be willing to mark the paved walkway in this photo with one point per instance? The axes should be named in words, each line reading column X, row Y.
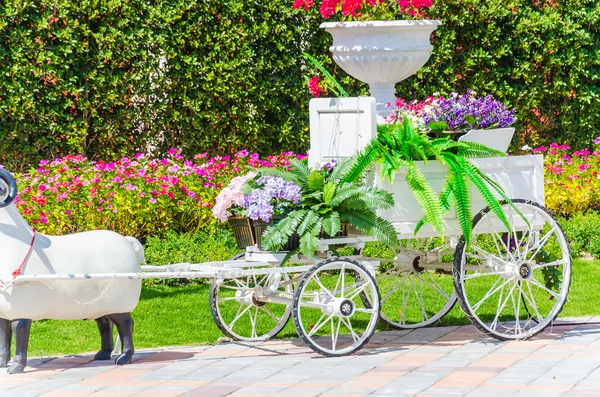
column 445, row 361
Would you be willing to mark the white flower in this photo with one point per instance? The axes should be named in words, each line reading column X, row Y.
column 526, row 147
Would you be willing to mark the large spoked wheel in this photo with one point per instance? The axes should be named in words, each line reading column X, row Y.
column 328, row 312
column 513, row 283
column 413, row 296
column 240, row 311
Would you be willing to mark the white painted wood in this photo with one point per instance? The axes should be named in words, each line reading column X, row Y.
column 340, row 127
column 89, row 252
column 497, row 138
column 521, row 177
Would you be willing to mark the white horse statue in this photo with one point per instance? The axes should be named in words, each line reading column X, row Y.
column 25, row 252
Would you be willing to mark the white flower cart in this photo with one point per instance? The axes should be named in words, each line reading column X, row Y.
column 511, row 283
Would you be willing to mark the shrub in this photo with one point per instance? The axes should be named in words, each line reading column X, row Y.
column 138, row 196
column 571, row 183
column 197, row 247
column 583, row 232
column 106, row 79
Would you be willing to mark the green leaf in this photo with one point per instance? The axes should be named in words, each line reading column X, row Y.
column 438, row 126
column 315, row 181
column 328, row 192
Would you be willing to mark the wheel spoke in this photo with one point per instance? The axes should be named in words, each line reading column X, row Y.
column 491, row 292
column 549, row 264
column 482, row 274
column 500, row 308
column 364, row 310
column 539, row 285
column 434, row 285
column 239, row 315
column 334, row 335
column 274, row 317
column 532, row 303
column 318, row 281
column 355, row 336
column 542, row 242
column 319, row 326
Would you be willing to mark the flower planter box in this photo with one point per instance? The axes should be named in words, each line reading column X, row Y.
column 498, row 138
column 521, row 177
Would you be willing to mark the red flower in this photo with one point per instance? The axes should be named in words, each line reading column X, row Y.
column 303, row 3
column 313, row 87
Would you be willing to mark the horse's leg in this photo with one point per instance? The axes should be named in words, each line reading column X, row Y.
column 20, row 329
column 5, row 339
column 105, row 326
column 124, row 324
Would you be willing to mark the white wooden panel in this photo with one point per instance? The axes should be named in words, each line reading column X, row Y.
column 339, row 127
column 521, row 177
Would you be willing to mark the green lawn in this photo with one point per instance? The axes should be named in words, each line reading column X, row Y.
column 168, row 316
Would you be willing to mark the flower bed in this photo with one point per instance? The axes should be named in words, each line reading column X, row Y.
column 133, row 196
column 572, row 180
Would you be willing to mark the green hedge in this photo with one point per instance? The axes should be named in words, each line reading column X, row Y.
column 86, row 77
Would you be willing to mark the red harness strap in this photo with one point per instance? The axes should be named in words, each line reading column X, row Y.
column 17, row 271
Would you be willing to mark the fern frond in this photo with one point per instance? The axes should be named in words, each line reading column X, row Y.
column 476, row 149
column 461, row 195
column 277, row 235
column 309, row 242
column 332, row 224
column 342, row 167
column 363, row 161
column 425, row 197
column 474, row 175
column 308, row 222
column 276, row 172
column 300, row 169
column 372, row 225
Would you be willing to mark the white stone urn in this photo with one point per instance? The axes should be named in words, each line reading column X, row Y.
column 381, row 53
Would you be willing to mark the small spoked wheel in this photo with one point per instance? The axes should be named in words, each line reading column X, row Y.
column 414, row 296
column 513, row 283
column 241, row 311
column 328, row 311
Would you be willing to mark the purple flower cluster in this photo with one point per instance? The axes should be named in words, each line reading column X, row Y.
column 274, row 196
column 468, row 112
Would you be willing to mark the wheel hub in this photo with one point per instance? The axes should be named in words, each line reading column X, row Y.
column 524, row 271
column 346, row 308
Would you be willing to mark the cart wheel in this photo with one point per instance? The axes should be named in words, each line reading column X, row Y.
column 328, row 312
column 513, row 283
column 413, row 296
column 238, row 311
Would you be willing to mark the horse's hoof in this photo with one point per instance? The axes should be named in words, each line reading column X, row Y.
column 16, row 368
column 124, row 359
column 103, row 355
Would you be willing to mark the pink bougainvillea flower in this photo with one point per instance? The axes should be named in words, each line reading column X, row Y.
column 314, row 88
column 306, row 4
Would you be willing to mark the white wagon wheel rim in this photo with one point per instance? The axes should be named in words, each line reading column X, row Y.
column 413, row 296
column 328, row 312
column 240, row 315
column 513, row 284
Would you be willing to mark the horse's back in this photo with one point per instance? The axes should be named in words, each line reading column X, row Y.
column 87, row 253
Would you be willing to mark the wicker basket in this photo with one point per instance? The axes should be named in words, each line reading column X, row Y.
column 242, row 231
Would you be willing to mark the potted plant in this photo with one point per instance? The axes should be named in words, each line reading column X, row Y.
column 251, row 202
column 399, row 146
column 380, row 42
column 328, row 200
column 466, row 117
